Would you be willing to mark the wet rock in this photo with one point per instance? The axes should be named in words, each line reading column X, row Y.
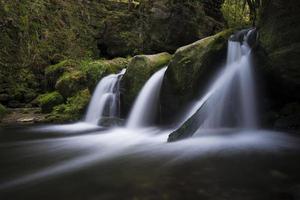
column 138, row 72
column 111, row 122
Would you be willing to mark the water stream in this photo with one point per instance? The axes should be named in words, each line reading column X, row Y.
column 145, row 107
column 105, row 100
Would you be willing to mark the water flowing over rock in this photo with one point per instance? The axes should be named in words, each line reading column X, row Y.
column 146, row 105
column 230, row 100
column 139, row 70
column 189, row 71
column 106, row 99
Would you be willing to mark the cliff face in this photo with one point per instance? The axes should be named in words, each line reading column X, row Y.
column 278, row 60
column 160, row 25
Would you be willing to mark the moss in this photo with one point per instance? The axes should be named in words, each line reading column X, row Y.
column 139, row 70
column 48, row 101
column 73, row 109
column 53, row 72
column 96, row 70
column 70, row 83
column 3, row 111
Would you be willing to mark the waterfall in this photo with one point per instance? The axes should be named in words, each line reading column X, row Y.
column 230, row 100
column 105, row 100
column 144, row 108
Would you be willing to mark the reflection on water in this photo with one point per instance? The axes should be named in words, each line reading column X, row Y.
column 135, row 157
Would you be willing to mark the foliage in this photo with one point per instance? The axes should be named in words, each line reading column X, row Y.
column 235, row 13
column 72, row 110
column 240, row 12
column 49, row 100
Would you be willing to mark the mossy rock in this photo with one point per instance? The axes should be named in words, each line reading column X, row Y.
column 96, row 70
column 277, row 59
column 72, row 110
column 49, row 100
column 54, row 72
column 3, row 111
column 139, row 70
column 190, row 70
column 70, row 83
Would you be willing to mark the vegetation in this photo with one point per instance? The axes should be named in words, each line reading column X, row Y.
column 72, row 110
column 241, row 12
column 49, row 100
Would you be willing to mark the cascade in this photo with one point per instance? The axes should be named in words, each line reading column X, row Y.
column 105, row 100
column 144, row 108
column 230, row 100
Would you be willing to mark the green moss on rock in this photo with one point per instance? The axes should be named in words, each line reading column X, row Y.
column 138, row 72
column 49, row 100
column 96, row 70
column 70, row 83
column 54, row 72
column 73, row 109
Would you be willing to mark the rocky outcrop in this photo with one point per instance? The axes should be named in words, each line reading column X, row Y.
column 278, row 60
column 138, row 72
column 159, row 25
column 190, row 70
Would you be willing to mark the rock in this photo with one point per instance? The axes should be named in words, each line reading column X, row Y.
column 277, row 58
column 4, row 97
column 190, row 70
column 111, row 121
column 49, row 100
column 289, row 117
column 96, row 70
column 139, row 70
column 26, row 120
column 54, row 72
column 70, row 83
column 159, row 25
column 72, row 110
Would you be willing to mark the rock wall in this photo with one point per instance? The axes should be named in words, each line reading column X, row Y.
column 278, row 61
column 160, row 25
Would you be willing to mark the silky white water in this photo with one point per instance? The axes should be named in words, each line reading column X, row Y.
column 145, row 106
column 105, row 100
column 230, row 100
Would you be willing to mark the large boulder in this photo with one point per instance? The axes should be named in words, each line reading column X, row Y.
column 54, row 72
column 138, row 72
column 70, row 83
column 96, row 70
column 189, row 71
column 278, row 59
